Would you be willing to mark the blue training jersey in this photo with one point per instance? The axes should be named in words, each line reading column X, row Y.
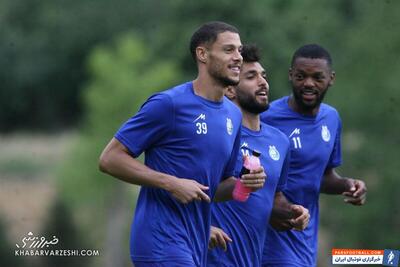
column 245, row 222
column 315, row 146
column 187, row 136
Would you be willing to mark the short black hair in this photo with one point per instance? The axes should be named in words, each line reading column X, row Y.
column 250, row 53
column 312, row 51
column 208, row 33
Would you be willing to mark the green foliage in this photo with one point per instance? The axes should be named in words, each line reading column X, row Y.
column 123, row 75
column 60, row 223
column 45, row 83
column 7, row 256
column 43, row 47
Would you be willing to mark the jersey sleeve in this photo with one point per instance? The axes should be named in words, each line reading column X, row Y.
column 230, row 167
column 284, row 172
column 149, row 126
column 335, row 159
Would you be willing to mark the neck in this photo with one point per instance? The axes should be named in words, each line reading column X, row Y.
column 208, row 88
column 250, row 120
column 296, row 107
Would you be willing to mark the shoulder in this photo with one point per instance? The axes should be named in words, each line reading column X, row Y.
column 275, row 132
column 168, row 97
column 177, row 90
column 330, row 111
column 231, row 106
column 276, row 108
column 280, row 103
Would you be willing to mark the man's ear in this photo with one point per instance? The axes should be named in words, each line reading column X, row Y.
column 290, row 74
column 202, row 54
column 333, row 76
column 230, row 93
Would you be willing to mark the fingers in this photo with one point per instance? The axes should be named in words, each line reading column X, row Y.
column 202, row 187
column 281, row 225
column 302, row 217
column 188, row 190
column 255, row 179
column 218, row 238
column 358, row 195
column 358, row 201
column 203, row 196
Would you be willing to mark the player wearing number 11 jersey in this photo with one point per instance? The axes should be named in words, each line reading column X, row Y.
column 314, row 131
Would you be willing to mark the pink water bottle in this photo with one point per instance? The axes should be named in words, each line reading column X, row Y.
column 242, row 192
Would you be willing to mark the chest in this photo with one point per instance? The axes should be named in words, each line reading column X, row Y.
column 206, row 131
column 311, row 141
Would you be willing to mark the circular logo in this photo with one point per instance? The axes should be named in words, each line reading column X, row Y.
column 274, row 153
column 326, row 135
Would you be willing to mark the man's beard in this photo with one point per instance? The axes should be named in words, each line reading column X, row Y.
column 226, row 81
column 308, row 106
column 223, row 80
column 250, row 104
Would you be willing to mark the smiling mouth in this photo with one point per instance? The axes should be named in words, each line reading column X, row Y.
column 235, row 69
column 262, row 94
column 309, row 94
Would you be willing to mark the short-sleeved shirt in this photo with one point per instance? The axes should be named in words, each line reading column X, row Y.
column 246, row 222
column 187, row 136
column 315, row 146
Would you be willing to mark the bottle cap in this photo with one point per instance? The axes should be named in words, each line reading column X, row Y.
column 256, row 153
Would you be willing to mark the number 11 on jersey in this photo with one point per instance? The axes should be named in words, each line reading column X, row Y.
column 296, row 142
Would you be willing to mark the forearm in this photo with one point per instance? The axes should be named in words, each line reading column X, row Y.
column 116, row 161
column 225, row 189
column 282, row 207
column 333, row 183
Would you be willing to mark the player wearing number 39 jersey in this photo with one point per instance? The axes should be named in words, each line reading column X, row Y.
column 190, row 137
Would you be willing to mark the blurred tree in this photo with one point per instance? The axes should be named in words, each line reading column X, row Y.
column 44, row 44
column 123, row 75
column 60, row 224
column 43, row 47
column 7, row 257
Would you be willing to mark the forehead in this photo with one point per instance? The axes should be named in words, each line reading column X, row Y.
column 311, row 65
column 228, row 38
column 251, row 67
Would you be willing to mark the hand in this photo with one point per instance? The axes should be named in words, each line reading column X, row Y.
column 255, row 179
column 218, row 238
column 356, row 193
column 187, row 190
column 280, row 224
column 301, row 217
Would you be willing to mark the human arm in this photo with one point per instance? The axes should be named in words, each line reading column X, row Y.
column 218, row 238
column 286, row 216
column 116, row 161
column 354, row 190
column 254, row 180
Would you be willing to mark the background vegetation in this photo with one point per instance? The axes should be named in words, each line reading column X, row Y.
column 73, row 71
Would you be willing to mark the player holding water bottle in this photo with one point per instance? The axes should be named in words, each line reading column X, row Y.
column 245, row 221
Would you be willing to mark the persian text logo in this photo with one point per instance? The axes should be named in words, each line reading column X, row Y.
column 32, row 241
column 357, row 256
column 32, row 245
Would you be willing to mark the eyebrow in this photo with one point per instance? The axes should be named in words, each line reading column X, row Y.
column 254, row 72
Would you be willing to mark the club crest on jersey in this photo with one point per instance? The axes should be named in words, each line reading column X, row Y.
column 326, row 135
column 274, row 153
column 229, row 126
